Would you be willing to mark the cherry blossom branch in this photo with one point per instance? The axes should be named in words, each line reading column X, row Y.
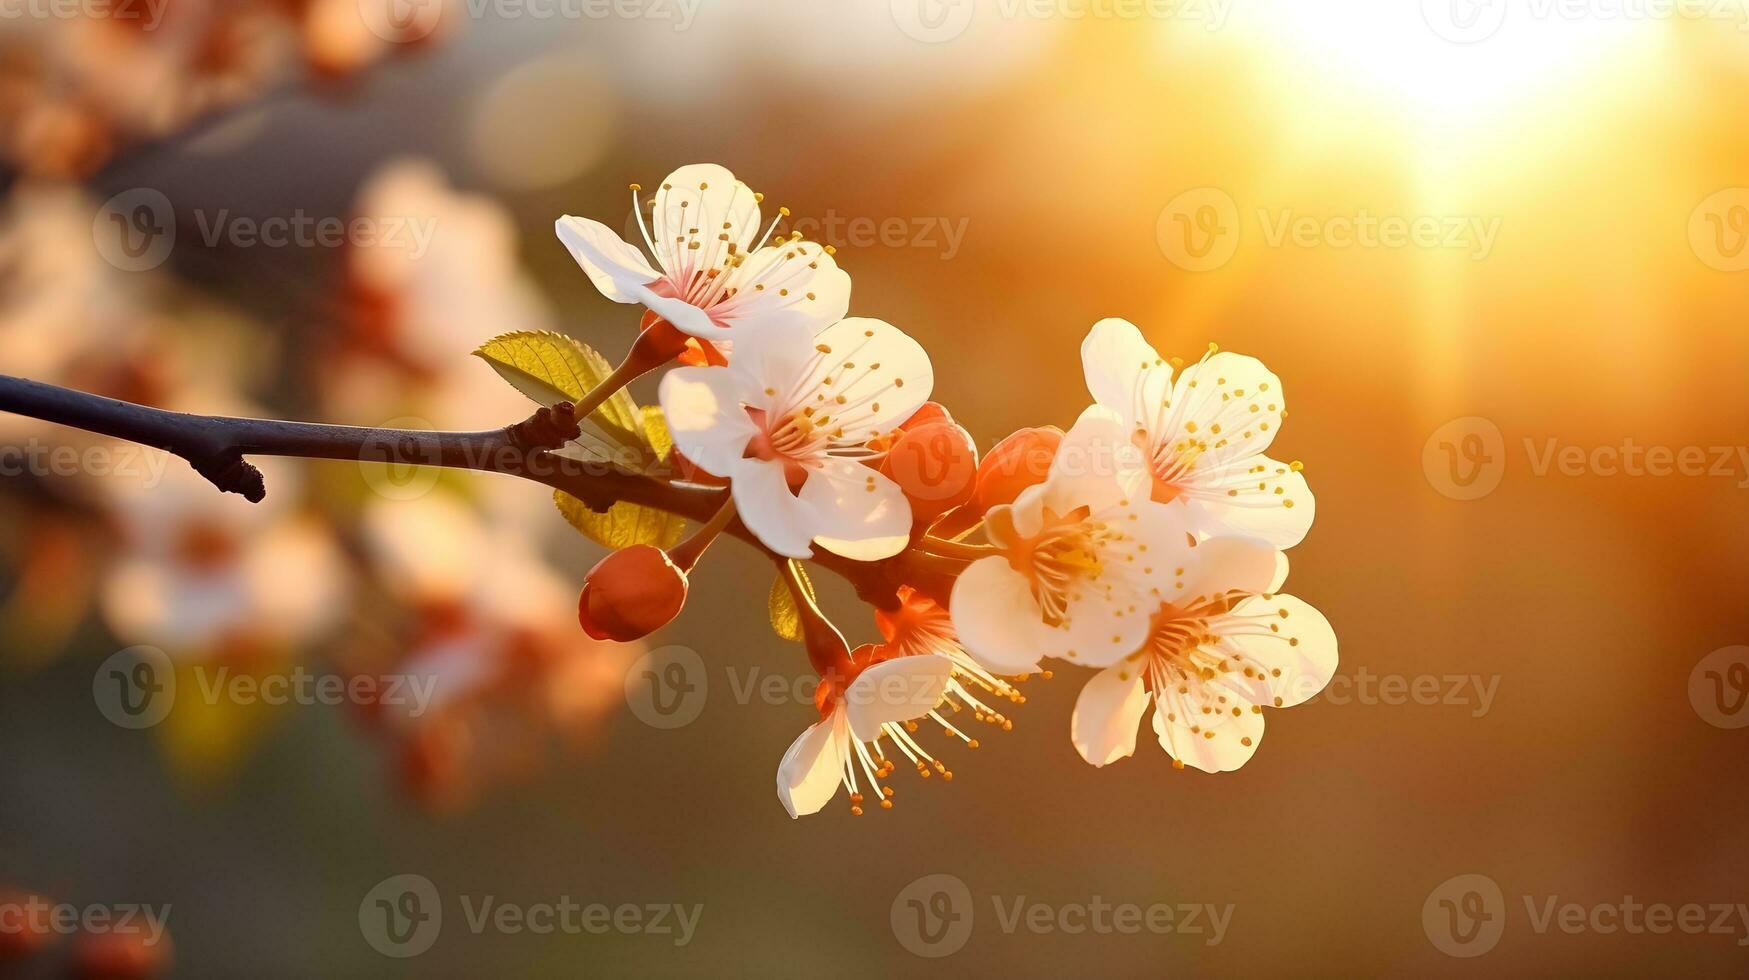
column 216, row 446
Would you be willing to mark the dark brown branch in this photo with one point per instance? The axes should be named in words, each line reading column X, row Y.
column 216, row 446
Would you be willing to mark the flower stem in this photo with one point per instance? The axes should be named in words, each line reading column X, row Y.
column 686, row 554
column 956, row 549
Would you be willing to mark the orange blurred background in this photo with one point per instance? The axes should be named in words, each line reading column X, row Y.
column 1197, row 171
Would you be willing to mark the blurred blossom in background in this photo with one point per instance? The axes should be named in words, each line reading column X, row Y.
column 1470, row 237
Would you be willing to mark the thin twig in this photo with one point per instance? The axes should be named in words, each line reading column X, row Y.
column 216, row 445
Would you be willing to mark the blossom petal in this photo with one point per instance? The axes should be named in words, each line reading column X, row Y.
column 1097, row 466
column 868, row 378
column 1260, row 497
column 619, row 270
column 1107, row 715
column 774, row 362
column 704, row 410
column 793, row 281
column 1231, row 564
column 688, row 318
column 859, row 513
column 894, row 691
column 810, row 772
column 1229, row 401
column 1219, row 739
column 998, row 620
column 765, row 503
column 1100, row 627
column 1298, row 657
column 702, row 219
column 1123, row 371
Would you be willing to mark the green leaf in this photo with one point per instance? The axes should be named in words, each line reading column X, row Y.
column 550, row 368
column 622, row 525
column 786, row 619
column 656, row 431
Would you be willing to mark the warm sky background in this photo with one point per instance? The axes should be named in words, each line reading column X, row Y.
column 1054, row 149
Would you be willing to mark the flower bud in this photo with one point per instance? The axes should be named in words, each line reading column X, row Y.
column 1017, row 462
column 936, row 464
column 631, row 594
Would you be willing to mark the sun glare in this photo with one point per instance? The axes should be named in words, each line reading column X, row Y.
column 1438, row 60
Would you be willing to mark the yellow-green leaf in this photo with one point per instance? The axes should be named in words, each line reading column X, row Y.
column 656, row 431
column 622, row 525
column 786, row 619
column 551, row 367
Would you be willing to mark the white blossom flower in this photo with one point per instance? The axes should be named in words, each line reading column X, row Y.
column 1204, row 434
column 1210, row 664
column 202, row 572
column 1085, row 560
column 788, row 423
column 920, row 626
column 715, row 275
column 881, row 700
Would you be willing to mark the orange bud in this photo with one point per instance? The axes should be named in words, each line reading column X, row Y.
column 631, row 594
column 936, row 464
column 1017, row 462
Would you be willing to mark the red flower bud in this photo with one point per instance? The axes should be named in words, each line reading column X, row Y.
column 936, row 464
column 1017, row 462
column 631, row 594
